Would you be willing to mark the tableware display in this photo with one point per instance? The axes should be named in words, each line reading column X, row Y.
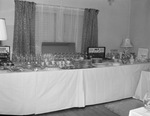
column 97, row 60
column 146, row 101
column 87, row 63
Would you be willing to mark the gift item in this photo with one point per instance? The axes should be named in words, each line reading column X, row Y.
column 146, row 101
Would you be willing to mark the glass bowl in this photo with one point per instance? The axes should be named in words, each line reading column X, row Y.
column 146, row 101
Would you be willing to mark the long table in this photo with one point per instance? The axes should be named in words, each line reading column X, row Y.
column 46, row 91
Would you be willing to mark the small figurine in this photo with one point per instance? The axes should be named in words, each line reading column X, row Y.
column 131, row 59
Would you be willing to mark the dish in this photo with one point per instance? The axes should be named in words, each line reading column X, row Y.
column 50, row 69
column 116, row 64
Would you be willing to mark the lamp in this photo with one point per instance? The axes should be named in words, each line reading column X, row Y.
column 125, row 56
column 3, row 33
column 126, row 43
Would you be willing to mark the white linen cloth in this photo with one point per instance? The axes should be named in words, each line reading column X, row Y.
column 143, row 85
column 17, row 93
column 40, row 92
column 26, row 93
column 57, row 90
column 139, row 112
column 111, row 83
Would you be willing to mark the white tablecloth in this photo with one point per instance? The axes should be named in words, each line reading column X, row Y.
column 40, row 92
column 17, row 93
column 46, row 91
column 59, row 90
column 143, row 85
column 111, row 83
column 139, row 112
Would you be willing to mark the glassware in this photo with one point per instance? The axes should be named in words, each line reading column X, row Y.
column 146, row 101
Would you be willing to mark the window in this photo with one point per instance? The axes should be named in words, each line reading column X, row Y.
column 58, row 24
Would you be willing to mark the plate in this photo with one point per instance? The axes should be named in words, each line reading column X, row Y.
column 116, row 64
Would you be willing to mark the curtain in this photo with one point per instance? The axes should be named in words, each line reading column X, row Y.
column 24, row 28
column 90, row 29
column 58, row 24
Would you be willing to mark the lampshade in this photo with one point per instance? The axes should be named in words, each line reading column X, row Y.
column 126, row 43
column 3, row 33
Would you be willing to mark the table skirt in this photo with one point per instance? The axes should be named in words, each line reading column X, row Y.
column 39, row 92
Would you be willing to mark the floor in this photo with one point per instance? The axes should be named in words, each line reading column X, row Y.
column 95, row 110
column 100, row 109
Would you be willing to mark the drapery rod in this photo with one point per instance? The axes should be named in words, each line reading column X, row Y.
column 61, row 6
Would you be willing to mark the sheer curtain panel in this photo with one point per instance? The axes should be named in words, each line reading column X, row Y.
column 58, row 24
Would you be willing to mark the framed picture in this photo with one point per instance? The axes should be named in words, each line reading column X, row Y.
column 5, row 49
column 143, row 54
column 96, row 52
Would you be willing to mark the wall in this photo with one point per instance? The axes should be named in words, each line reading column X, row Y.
column 114, row 20
column 140, row 24
column 7, row 12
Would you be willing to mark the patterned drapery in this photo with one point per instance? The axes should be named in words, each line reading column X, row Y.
column 90, row 29
column 24, row 28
